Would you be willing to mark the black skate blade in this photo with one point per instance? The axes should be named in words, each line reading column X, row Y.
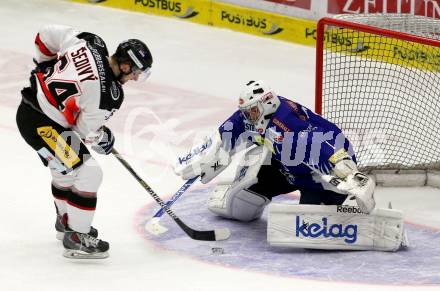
column 76, row 254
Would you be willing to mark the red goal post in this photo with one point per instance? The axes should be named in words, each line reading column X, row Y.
column 378, row 79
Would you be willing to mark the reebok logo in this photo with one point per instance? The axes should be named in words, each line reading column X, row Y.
column 348, row 209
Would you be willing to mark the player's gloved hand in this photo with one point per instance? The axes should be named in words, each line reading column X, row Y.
column 211, row 170
column 105, row 141
column 358, row 185
column 344, row 167
column 362, row 187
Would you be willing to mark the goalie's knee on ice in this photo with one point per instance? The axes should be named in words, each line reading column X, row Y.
column 247, row 206
column 235, row 200
column 242, row 205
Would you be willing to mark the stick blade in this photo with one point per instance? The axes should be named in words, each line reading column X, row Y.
column 222, row 234
column 154, row 227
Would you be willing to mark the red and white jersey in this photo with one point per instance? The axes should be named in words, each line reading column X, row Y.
column 80, row 91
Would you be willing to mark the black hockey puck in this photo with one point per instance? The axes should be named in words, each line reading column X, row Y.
column 217, row 251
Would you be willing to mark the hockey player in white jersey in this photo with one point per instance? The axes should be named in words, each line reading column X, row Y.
column 75, row 88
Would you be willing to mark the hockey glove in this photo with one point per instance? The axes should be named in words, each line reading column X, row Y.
column 105, row 142
column 357, row 185
column 343, row 164
column 344, row 168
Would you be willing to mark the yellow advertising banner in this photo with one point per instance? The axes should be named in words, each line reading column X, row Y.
column 383, row 49
column 194, row 10
column 224, row 15
column 262, row 23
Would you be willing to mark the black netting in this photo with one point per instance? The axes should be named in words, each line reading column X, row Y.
column 384, row 92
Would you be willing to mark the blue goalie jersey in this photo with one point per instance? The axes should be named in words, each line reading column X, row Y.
column 303, row 144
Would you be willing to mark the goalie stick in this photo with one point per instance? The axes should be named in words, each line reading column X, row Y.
column 205, row 235
column 153, row 226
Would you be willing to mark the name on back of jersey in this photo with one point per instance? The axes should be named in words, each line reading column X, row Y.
column 82, row 65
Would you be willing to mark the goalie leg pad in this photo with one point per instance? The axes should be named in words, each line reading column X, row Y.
column 243, row 205
column 335, row 227
column 235, row 200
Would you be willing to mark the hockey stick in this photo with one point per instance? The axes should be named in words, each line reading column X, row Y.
column 153, row 226
column 206, row 235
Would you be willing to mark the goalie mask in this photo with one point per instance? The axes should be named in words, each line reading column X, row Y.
column 257, row 103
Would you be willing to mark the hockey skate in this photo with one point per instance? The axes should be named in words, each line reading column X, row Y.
column 84, row 246
column 60, row 227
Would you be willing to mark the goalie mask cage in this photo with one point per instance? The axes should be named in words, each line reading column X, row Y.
column 378, row 79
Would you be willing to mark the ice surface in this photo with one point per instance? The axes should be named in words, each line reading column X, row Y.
column 247, row 249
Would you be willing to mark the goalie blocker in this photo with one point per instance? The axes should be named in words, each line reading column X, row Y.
column 335, row 227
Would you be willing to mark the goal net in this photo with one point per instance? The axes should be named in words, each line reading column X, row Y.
column 378, row 79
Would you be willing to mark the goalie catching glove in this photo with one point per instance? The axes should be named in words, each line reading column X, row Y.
column 206, row 159
column 360, row 186
column 350, row 181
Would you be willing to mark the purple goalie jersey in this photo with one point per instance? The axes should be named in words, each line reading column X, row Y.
column 302, row 142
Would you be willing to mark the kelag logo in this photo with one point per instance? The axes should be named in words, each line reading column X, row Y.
column 251, row 22
column 316, row 230
column 195, row 152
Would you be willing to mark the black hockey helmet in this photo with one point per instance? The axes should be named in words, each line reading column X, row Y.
column 137, row 54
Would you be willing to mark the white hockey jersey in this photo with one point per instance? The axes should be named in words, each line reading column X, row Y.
column 80, row 91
